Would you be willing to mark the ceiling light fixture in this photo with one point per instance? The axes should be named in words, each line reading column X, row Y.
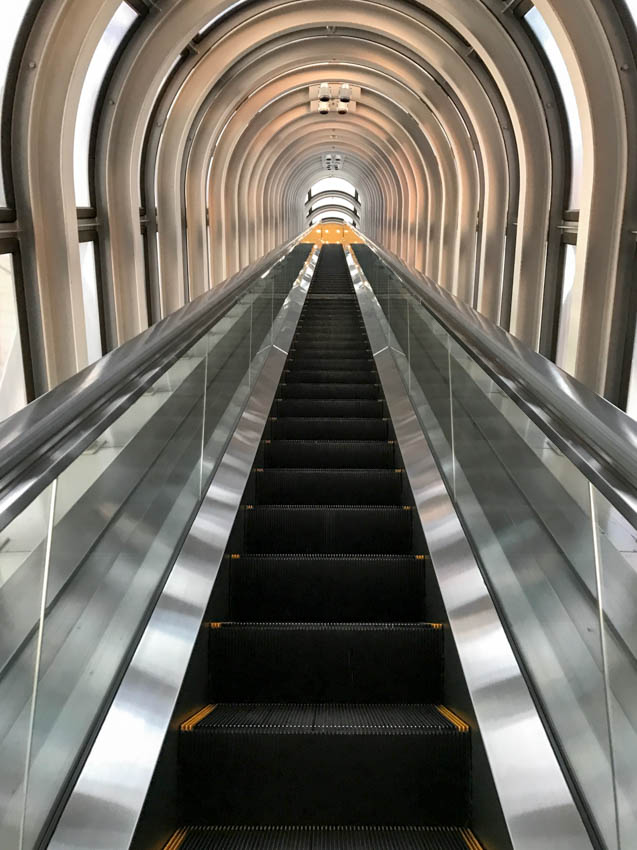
column 345, row 94
column 325, row 93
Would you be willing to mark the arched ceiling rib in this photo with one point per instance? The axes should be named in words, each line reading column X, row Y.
column 452, row 149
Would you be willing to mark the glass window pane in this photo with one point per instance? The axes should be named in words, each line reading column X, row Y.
column 111, row 39
column 565, row 310
column 91, row 305
column 11, row 17
column 554, row 55
column 12, row 388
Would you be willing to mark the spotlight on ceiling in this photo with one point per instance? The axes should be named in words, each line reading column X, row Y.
column 345, row 94
column 323, row 108
column 342, row 107
column 324, row 94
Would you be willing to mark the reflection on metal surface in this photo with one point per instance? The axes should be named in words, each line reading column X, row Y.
column 535, row 799
column 558, row 557
column 103, row 809
column 42, row 439
column 598, row 438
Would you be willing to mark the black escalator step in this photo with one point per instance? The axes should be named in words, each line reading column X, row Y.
column 316, row 454
column 325, row 337
column 336, row 407
column 329, row 428
column 329, row 486
column 329, row 328
column 349, row 319
column 342, row 364
column 327, row 588
column 325, row 662
column 323, row 838
column 330, row 356
column 292, row 390
column 328, row 529
column 331, row 763
column 330, row 376
column 334, row 349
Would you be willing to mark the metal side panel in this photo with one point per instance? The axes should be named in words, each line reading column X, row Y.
column 536, row 801
column 104, row 806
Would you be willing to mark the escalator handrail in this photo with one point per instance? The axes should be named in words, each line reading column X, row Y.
column 597, row 437
column 38, row 442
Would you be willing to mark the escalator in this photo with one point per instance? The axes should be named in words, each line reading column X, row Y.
column 326, row 724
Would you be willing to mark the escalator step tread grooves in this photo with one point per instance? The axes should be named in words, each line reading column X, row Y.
column 326, row 726
column 326, row 838
column 326, row 718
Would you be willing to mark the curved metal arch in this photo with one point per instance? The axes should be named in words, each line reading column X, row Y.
column 387, row 110
column 244, row 181
column 269, row 154
column 44, row 185
column 602, row 104
column 334, row 193
column 604, row 230
column 395, row 157
column 410, row 160
column 170, row 252
column 336, row 208
column 367, row 146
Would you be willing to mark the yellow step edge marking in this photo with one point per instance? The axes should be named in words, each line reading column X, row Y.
column 214, row 625
column 470, row 839
column 189, row 725
column 234, row 557
column 178, row 839
column 459, row 724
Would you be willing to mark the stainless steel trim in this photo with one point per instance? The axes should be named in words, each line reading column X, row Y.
column 104, row 806
column 597, row 437
column 536, row 802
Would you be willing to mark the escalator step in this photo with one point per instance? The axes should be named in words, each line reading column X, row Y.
column 326, row 337
column 330, row 529
column 343, row 363
column 329, row 428
column 336, row 407
column 329, row 588
column 316, row 376
column 327, row 486
column 329, row 454
column 335, row 763
column 341, row 347
column 333, row 390
column 323, row 838
column 325, row 662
